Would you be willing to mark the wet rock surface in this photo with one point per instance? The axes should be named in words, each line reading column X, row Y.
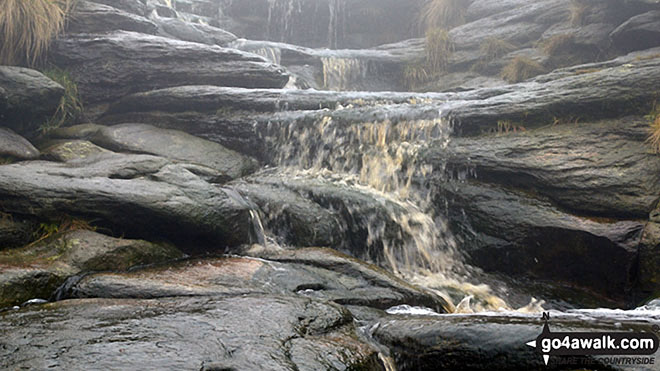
column 35, row 271
column 599, row 169
column 313, row 273
column 29, row 98
column 244, row 332
column 477, row 342
column 131, row 193
column 109, row 66
column 511, row 232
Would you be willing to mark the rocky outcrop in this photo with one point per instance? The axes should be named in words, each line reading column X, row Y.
column 91, row 17
column 176, row 145
column 238, row 333
column 15, row 146
column 600, row 169
column 35, row 271
column 638, row 33
column 140, row 195
column 113, row 65
column 29, row 98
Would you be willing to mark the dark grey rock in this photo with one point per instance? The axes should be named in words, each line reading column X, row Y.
column 91, row 17
column 14, row 145
column 477, row 342
column 520, row 235
column 638, row 33
column 140, row 195
column 603, row 169
column 236, row 333
column 110, row 66
column 176, row 145
column 15, row 232
column 31, row 98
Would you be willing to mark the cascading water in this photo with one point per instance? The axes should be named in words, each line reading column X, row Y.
column 381, row 159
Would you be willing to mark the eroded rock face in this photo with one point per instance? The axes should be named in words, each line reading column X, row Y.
column 30, row 98
column 113, row 65
column 141, row 195
column 244, row 332
column 35, row 271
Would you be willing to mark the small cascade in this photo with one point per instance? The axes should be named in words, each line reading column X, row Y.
column 343, row 73
column 381, row 159
column 288, row 19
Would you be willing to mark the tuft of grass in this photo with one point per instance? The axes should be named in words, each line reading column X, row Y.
column 27, row 28
column 59, row 227
column 558, row 44
column 578, row 12
column 439, row 48
column 415, row 74
column 654, row 130
column 443, row 13
column 521, row 68
column 493, row 48
column 70, row 107
column 506, row 126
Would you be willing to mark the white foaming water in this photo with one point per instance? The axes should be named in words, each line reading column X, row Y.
column 381, row 159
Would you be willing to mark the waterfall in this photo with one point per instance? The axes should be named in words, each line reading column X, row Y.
column 343, row 74
column 382, row 159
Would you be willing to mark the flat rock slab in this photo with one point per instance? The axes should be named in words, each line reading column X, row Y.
column 238, row 333
column 140, row 195
column 35, row 271
column 597, row 168
column 176, row 145
column 112, row 65
column 30, row 98
column 15, row 146
column 313, row 273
